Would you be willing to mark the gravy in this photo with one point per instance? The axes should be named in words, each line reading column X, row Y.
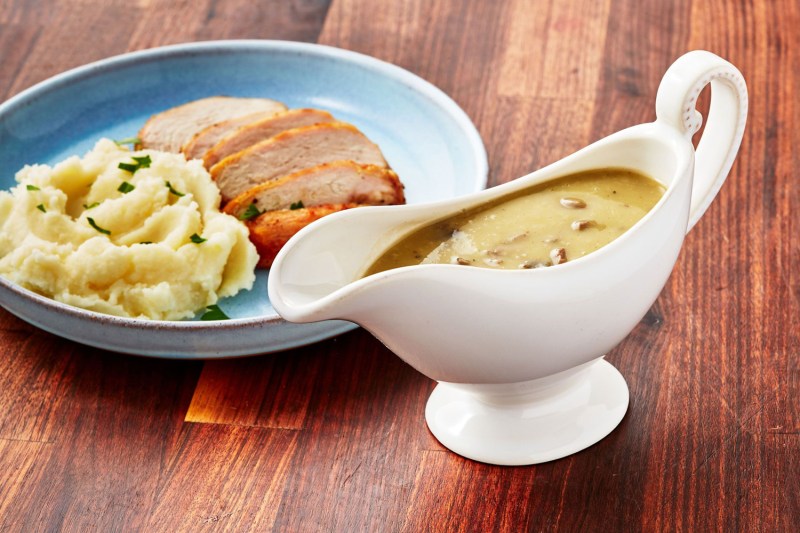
column 548, row 224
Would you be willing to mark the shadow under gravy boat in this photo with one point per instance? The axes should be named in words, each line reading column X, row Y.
column 519, row 354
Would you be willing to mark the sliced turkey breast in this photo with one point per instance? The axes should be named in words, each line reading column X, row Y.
column 339, row 182
column 259, row 130
column 169, row 130
column 291, row 151
column 270, row 231
column 205, row 139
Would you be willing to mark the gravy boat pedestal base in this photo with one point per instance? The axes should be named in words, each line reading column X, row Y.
column 530, row 422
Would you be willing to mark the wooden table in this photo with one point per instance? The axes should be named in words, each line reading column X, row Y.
column 331, row 437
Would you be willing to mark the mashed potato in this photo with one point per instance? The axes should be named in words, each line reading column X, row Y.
column 147, row 242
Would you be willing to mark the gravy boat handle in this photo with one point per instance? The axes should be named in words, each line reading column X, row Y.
column 675, row 106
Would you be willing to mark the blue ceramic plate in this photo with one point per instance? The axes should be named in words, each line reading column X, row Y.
column 424, row 135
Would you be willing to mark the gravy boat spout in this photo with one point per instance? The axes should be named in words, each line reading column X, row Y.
column 518, row 354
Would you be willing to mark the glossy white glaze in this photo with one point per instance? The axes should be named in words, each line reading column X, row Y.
column 473, row 328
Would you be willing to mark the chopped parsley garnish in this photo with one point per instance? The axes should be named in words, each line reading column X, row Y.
column 125, row 187
column 141, row 162
column 251, row 212
column 91, row 206
column 93, row 224
column 32, row 188
column 197, row 239
column 128, row 140
column 146, row 242
column 213, row 312
column 173, row 191
column 297, row 205
column 41, row 208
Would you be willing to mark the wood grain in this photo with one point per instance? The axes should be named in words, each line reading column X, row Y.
column 331, row 437
column 203, row 479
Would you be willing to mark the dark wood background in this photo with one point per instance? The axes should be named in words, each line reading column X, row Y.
column 331, row 437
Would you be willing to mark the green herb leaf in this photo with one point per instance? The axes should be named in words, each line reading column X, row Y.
column 128, row 140
column 32, row 188
column 146, row 242
column 125, row 187
column 297, row 205
column 91, row 206
column 213, row 312
column 173, row 191
column 141, row 162
column 144, row 161
column 251, row 212
column 197, row 239
column 41, row 208
column 93, row 224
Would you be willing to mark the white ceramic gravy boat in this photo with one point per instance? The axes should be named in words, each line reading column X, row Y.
column 519, row 354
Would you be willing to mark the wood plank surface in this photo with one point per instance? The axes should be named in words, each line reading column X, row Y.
column 331, row 437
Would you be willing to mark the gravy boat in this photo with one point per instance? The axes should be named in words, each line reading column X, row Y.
column 519, row 354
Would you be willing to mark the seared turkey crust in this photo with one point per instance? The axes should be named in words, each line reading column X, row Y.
column 256, row 131
column 205, row 139
column 291, row 151
column 338, row 182
column 271, row 230
column 169, row 130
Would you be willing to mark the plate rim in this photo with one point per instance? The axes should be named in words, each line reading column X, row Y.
column 234, row 46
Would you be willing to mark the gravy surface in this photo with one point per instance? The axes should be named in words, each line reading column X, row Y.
column 548, row 224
